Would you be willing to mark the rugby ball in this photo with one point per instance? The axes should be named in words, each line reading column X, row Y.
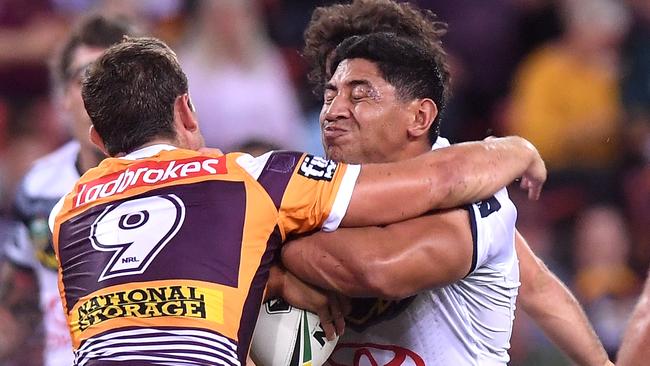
column 287, row 336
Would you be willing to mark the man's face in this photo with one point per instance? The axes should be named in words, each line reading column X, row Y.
column 82, row 57
column 362, row 120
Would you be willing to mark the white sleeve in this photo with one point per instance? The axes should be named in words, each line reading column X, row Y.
column 493, row 230
column 343, row 197
column 55, row 211
column 18, row 247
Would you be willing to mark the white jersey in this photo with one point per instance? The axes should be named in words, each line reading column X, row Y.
column 49, row 178
column 466, row 323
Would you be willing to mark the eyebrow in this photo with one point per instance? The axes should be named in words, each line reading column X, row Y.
column 351, row 83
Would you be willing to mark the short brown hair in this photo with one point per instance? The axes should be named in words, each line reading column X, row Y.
column 129, row 93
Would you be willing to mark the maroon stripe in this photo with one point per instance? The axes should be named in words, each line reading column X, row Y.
column 277, row 172
column 207, row 247
column 254, row 298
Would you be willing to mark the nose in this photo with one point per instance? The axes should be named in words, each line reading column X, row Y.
column 338, row 108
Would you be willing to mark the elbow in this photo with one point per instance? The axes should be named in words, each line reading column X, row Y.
column 537, row 288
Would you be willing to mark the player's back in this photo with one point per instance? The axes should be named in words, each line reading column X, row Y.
column 165, row 259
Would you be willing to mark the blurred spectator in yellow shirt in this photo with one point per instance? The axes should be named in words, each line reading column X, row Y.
column 565, row 97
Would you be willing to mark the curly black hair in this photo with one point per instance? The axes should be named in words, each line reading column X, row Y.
column 330, row 25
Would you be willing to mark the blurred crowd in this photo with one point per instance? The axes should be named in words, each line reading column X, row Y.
column 572, row 76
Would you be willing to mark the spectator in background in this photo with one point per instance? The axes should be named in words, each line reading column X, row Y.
column 30, row 251
column 604, row 281
column 483, row 54
column 29, row 30
column 636, row 82
column 230, row 62
column 565, row 95
column 635, row 89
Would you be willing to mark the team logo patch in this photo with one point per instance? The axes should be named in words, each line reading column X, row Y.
column 147, row 302
column 358, row 354
column 317, row 168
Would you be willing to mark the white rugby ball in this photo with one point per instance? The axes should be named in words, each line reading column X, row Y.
column 287, row 336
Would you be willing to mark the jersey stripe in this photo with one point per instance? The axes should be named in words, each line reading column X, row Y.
column 274, row 177
column 160, row 344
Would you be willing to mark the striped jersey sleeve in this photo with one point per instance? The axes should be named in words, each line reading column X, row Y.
column 309, row 192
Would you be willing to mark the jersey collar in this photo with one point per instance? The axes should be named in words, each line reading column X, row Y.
column 148, row 151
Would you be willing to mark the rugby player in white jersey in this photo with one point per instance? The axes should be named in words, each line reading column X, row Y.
column 417, row 323
column 30, row 250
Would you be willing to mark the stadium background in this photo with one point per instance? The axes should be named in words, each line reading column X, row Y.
column 573, row 76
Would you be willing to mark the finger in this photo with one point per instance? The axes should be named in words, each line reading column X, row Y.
column 337, row 313
column 329, row 328
column 523, row 183
column 326, row 319
column 535, row 191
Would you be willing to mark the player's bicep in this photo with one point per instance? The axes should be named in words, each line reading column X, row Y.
column 392, row 262
column 430, row 251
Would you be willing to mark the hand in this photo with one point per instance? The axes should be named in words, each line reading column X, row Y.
column 534, row 177
column 330, row 308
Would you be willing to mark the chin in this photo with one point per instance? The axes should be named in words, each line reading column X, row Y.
column 341, row 156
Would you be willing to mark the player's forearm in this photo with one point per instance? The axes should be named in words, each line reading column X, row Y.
column 311, row 259
column 552, row 306
column 443, row 178
column 384, row 262
column 635, row 348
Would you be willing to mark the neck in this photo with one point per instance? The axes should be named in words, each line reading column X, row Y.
column 161, row 141
column 89, row 157
column 412, row 150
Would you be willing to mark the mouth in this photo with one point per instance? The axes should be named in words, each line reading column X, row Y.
column 332, row 132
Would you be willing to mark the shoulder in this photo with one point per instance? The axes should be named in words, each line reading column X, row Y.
column 53, row 175
column 278, row 162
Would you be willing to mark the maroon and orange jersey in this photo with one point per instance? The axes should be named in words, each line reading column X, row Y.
column 164, row 254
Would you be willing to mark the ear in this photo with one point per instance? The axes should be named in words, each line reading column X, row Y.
column 425, row 112
column 184, row 114
column 97, row 140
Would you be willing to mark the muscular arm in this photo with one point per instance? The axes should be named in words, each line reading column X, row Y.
column 445, row 178
column 395, row 261
column 552, row 306
column 635, row 348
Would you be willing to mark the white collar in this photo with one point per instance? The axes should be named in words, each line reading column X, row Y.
column 440, row 143
column 148, row 151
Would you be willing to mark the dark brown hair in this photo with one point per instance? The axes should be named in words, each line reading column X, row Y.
column 129, row 93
